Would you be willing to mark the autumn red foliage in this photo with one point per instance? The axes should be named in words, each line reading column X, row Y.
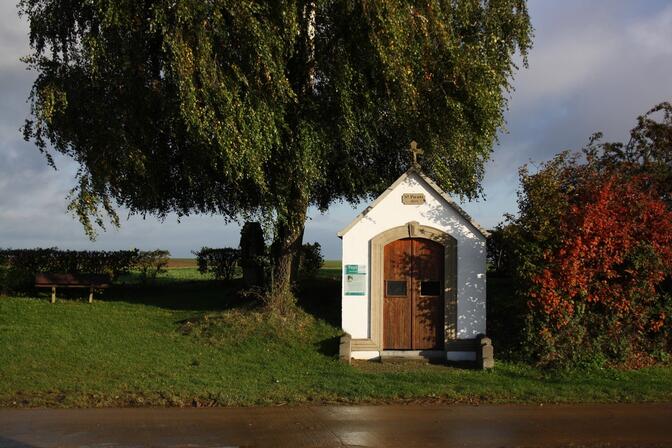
column 615, row 248
column 589, row 254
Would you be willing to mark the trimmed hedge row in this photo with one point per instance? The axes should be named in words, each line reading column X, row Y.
column 19, row 266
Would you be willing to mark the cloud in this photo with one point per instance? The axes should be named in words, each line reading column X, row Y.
column 13, row 36
column 594, row 66
column 566, row 64
column 655, row 34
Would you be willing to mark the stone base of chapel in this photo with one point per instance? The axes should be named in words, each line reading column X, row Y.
column 415, row 354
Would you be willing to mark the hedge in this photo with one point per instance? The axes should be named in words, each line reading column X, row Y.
column 220, row 262
column 19, row 266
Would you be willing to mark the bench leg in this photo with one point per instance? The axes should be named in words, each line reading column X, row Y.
column 53, row 294
column 90, row 295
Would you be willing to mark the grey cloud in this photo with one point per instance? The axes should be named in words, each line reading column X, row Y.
column 595, row 66
column 593, row 70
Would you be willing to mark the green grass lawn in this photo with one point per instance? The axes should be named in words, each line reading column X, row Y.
column 178, row 274
column 188, row 341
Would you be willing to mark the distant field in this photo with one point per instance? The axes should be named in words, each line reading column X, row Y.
column 186, row 269
column 182, row 263
column 332, row 264
column 331, row 269
column 191, row 263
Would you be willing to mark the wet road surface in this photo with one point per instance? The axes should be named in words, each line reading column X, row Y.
column 339, row 426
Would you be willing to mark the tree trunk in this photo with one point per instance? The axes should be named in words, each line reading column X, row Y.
column 287, row 242
column 290, row 223
column 296, row 259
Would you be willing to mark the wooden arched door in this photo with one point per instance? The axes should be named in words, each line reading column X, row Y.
column 413, row 305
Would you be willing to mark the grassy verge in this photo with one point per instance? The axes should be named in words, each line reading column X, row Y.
column 193, row 342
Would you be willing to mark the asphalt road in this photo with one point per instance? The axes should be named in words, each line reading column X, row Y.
column 339, row 426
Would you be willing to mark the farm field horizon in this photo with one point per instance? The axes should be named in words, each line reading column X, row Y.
column 186, row 262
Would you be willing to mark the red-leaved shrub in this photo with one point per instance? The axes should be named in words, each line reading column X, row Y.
column 615, row 250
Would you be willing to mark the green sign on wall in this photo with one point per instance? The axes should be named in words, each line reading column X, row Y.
column 354, row 279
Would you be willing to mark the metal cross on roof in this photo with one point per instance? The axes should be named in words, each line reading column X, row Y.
column 415, row 151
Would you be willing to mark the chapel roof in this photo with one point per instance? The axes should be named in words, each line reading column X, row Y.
column 433, row 186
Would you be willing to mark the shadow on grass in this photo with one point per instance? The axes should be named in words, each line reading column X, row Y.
column 329, row 347
column 321, row 297
column 197, row 295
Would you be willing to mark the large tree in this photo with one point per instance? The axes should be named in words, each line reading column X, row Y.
column 239, row 107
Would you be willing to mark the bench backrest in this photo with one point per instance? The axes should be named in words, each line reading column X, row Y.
column 55, row 279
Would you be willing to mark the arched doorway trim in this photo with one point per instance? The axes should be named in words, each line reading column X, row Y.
column 377, row 248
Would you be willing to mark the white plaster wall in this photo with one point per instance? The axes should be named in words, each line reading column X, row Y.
column 435, row 212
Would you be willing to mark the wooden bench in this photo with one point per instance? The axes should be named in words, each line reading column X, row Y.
column 53, row 281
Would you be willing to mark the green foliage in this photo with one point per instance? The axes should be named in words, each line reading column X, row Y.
column 647, row 152
column 247, row 108
column 310, row 260
column 4, row 279
column 221, row 263
column 499, row 252
column 506, row 319
column 150, row 264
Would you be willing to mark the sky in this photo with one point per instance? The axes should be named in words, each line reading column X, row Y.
column 595, row 66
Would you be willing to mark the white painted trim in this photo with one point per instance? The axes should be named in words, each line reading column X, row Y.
column 432, row 185
column 382, row 196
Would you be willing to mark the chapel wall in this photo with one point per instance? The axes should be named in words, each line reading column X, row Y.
column 391, row 212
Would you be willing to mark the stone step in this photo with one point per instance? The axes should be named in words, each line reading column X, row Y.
column 412, row 355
